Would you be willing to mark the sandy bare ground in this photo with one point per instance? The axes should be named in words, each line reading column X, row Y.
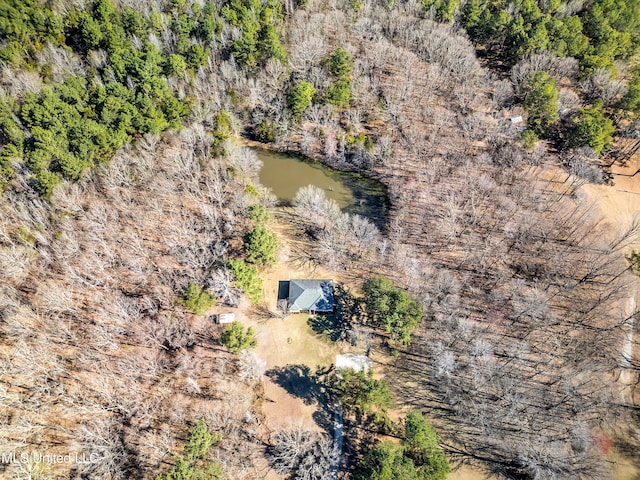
column 466, row 472
column 619, row 206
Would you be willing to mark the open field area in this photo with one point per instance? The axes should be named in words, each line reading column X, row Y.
column 288, row 343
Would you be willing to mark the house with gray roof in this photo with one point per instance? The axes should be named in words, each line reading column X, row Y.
column 307, row 295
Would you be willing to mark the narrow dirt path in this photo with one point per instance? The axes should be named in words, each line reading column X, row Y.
column 627, row 376
column 338, row 438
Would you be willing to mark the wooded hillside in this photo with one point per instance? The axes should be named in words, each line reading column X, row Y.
column 127, row 212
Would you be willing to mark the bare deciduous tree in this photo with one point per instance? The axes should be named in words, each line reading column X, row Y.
column 302, row 453
column 250, row 366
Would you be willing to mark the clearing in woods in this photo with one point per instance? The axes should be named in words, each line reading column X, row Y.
column 289, row 344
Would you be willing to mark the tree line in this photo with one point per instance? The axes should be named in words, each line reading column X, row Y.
column 128, row 61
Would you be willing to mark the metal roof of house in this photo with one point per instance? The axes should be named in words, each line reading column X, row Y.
column 311, row 295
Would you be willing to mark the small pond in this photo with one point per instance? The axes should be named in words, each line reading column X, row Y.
column 286, row 173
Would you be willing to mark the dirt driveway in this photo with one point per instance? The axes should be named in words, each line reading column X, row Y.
column 290, row 346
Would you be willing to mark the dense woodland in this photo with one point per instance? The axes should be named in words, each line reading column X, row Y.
column 127, row 211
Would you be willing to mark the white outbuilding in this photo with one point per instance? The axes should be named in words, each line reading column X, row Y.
column 225, row 318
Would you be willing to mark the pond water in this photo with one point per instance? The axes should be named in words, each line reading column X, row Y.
column 285, row 174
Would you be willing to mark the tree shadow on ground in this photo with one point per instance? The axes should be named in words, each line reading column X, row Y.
column 263, row 313
column 311, row 387
column 335, row 326
column 348, row 307
column 327, row 325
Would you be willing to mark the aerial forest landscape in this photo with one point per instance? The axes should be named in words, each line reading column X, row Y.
column 320, row 239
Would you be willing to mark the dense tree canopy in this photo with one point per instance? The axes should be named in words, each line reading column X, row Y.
column 596, row 35
column 27, row 25
column 386, row 461
column 84, row 120
column 261, row 246
column 196, row 299
column 236, row 339
column 301, row 96
column 259, row 38
column 541, row 102
column 361, row 392
column 259, row 213
column 193, row 464
column 391, row 308
column 631, row 100
column 418, row 457
column 340, row 64
column 591, row 128
column 247, row 279
column 11, row 141
column 421, row 446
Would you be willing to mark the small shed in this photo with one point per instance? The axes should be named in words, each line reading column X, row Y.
column 225, row 318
